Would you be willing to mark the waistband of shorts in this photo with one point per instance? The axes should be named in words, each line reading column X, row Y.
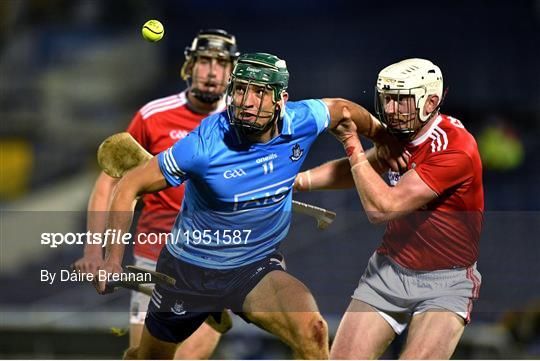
column 447, row 273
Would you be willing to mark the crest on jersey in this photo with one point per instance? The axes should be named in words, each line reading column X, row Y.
column 297, row 153
column 178, row 308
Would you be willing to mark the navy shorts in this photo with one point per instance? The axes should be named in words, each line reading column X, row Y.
column 175, row 312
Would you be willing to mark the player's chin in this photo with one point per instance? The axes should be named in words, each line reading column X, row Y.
column 260, row 121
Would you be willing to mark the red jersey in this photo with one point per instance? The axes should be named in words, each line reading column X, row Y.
column 157, row 126
column 444, row 233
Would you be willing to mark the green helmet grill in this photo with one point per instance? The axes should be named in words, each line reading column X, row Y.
column 260, row 69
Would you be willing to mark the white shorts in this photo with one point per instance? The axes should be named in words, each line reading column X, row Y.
column 139, row 301
column 398, row 293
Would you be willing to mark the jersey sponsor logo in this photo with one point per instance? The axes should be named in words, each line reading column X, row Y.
column 233, row 173
column 264, row 196
column 393, row 177
column 267, row 158
column 297, row 153
column 178, row 134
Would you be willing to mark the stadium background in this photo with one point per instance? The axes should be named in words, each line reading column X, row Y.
column 73, row 72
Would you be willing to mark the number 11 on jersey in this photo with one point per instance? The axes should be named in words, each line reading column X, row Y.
column 268, row 167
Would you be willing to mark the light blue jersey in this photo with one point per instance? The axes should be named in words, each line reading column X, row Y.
column 237, row 202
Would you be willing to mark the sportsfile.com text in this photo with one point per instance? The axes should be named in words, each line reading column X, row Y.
column 112, row 236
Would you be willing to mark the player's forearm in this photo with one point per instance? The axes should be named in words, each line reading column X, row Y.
column 98, row 206
column 119, row 221
column 375, row 194
column 335, row 174
column 366, row 124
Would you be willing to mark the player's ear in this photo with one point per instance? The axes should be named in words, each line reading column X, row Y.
column 283, row 99
column 186, row 70
column 431, row 103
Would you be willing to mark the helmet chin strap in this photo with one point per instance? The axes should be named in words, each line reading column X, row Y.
column 206, row 97
column 402, row 136
column 409, row 134
column 254, row 132
column 437, row 108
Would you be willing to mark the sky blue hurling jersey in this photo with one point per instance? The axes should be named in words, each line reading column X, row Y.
column 237, row 202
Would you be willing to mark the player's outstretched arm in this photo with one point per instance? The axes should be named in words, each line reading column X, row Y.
column 335, row 174
column 366, row 124
column 355, row 120
column 98, row 205
column 145, row 178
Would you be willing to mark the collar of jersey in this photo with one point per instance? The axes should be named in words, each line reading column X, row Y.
column 288, row 125
column 222, row 105
column 426, row 135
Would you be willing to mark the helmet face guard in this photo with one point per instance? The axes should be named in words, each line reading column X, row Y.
column 246, row 117
column 264, row 78
column 399, row 110
column 207, row 46
column 401, row 94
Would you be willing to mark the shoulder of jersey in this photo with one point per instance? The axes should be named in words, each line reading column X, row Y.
column 302, row 112
column 449, row 133
column 297, row 104
column 305, row 106
column 163, row 104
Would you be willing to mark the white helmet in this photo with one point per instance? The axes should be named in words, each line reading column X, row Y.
column 411, row 77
